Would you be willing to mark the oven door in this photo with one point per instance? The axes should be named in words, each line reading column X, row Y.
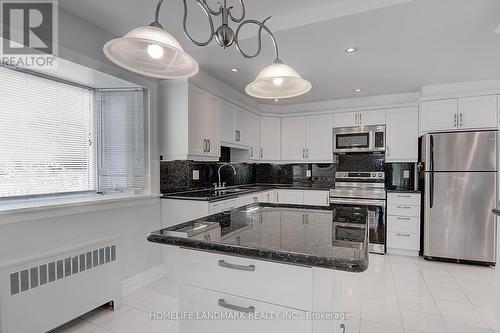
column 376, row 219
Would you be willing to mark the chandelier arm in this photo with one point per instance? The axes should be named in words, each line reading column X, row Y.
column 242, row 17
column 262, row 26
column 211, row 11
column 157, row 13
column 205, row 9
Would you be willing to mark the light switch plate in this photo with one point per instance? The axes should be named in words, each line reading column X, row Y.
column 308, row 174
column 406, row 174
column 196, row 174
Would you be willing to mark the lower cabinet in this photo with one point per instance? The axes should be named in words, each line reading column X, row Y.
column 291, row 197
column 403, row 223
column 317, row 198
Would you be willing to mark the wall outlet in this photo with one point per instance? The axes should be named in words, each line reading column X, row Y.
column 196, row 174
column 406, row 174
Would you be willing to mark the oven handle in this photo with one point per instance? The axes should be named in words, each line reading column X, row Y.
column 357, row 202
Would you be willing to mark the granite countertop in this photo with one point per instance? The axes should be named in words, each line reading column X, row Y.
column 236, row 191
column 496, row 211
column 293, row 234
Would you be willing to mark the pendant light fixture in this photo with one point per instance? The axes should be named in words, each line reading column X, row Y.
column 151, row 51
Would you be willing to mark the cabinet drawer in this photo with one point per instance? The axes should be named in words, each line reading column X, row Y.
column 403, row 210
column 221, row 206
column 403, row 241
column 282, row 284
column 292, row 197
column 317, row 198
column 412, row 199
column 199, row 302
column 404, row 224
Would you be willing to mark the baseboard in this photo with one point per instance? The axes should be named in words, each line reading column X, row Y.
column 400, row 252
column 142, row 279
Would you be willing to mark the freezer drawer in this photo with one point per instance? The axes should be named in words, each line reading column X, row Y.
column 458, row 223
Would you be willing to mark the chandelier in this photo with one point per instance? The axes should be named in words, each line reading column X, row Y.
column 150, row 50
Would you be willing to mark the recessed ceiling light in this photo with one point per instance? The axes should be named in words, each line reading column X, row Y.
column 351, row 49
column 234, row 69
column 358, row 90
column 276, row 100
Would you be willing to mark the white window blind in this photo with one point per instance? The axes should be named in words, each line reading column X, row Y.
column 46, row 133
column 120, row 115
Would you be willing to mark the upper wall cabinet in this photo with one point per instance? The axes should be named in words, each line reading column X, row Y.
column 188, row 119
column 239, row 128
column 307, row 138
column 364, row 118
column 402, row 135
column 270, row 138
column 459, row 114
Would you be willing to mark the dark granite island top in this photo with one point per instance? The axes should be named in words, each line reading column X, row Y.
column 293, row 234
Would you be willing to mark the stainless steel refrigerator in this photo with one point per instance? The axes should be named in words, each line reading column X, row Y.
column 460, row 192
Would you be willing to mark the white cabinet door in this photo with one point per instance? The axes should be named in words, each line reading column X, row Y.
column 293, row 139
column 197, row 138
column 227, row 122
column 253, row 129
column 316, row 198
column 477, row 112
column 293, row 231
column 372, row 118
column 345, row 119
column 270, row 136
column 242, row 126
column 438, row 115
column 319, row 231
column 402, row 135
column 292, row 197
column 211, row 122
column 319, row 138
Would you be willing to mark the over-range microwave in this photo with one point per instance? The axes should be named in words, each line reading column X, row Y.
column 359, row 139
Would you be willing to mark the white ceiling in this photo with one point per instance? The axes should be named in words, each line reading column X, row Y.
column 403, row 44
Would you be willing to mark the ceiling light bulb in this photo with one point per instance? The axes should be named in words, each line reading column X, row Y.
column 278, row 81
column 276, row 100
column 358, row 90
column 351, row 49
column 234, row 69
column 155, row 51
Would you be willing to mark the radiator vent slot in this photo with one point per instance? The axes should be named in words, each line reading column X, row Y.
column 40, row 275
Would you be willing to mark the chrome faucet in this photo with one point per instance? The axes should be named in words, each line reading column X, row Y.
column 220, row 185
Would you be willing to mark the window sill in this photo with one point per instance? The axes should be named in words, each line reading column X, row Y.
column 31, row 209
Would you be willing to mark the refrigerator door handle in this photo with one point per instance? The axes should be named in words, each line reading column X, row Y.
column 431, row 173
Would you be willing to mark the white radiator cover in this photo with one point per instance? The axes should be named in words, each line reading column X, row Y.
column 42, row 293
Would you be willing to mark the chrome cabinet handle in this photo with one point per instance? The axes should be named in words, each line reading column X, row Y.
column 209, row 146
column 455, row 120
column 403, row 218
column 249, row 268
column 360, row 119
column 222, row 302
column 404, row 196
column 277, row 197
column 251, row 151
column 327, row 200
column 356, row 118
column 404, row 207
column 388, row 150
column 403, row 235
column 205, row 146
column 307, row 152
column 268, row 198
column 461, row 119
column 261, row 153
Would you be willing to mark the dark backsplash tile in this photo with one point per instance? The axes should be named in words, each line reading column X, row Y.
column 176, row 176
column 361, row 162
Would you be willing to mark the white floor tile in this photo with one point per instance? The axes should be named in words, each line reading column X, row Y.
column 412, row 289
column 128, row 322
column 351, row 305
column 157, row 303
column 462, row 311
column 78, row 326
column 164, row 286
column 490, row 315
column 478, row 284
column 440, row 281
column 137, row 296
column 373, row 327
column 380, row 313
column 447, row 294
column 101, row 315
column 418, row 304
column 460, row 326
column 423, row 322
column 482, row 297
column 159, row 326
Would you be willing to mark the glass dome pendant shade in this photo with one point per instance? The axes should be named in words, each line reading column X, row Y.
column 151, row 51
column 278, row 81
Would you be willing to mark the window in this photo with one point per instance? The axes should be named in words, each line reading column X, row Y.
column 57, row 137
column 46, row 136
column 121, row 140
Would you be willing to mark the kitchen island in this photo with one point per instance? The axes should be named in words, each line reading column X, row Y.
column 272, row 266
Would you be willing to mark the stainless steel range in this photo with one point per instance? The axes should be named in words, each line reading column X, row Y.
column 362, row 191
